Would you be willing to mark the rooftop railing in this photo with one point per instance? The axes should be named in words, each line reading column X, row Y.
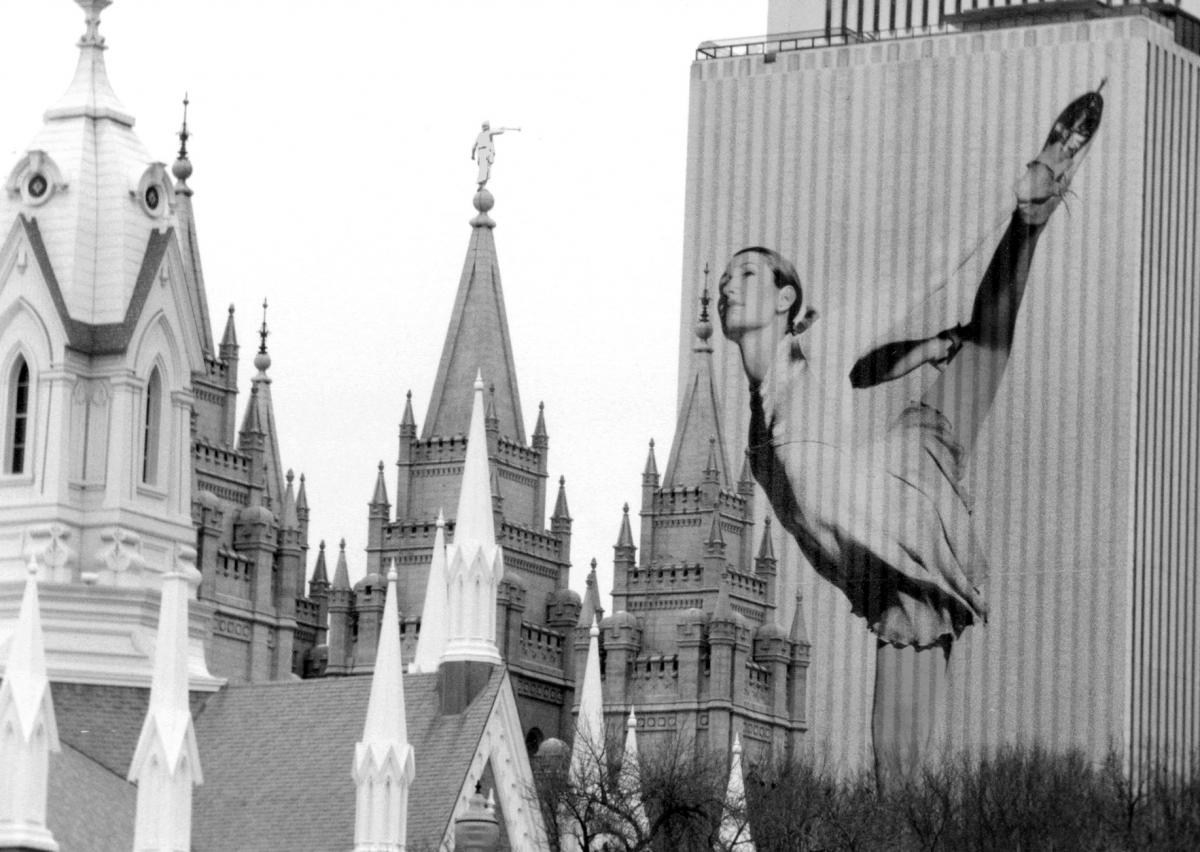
column 850, row 22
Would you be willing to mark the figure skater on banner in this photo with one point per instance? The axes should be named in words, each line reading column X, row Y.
column 888, row 520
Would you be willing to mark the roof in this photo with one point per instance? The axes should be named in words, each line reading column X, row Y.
column 88, row 805
column 697, row 429
column 277, row 761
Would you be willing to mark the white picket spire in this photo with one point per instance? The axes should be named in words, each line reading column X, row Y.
column 475, row 563
column 631, row 777
column 431, row 641
column 166, row 763
column 383, row 759
column 735, row 825
column 587, row 750
column 26, row 706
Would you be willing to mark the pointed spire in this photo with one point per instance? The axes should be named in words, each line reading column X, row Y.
column 746, row 477
column 625, row 536
column 474, row 522
column 379, row 498
column 475, row 564
column 408, row 420
column 431, row 641
column 320, row 575
column 341, row 573
column 251, row 422
column 561, row 512
column 735, row 827
column 26, row 706
column 693, row 459
column 711, row 471
column 166, row 763
column 539, row 429
column 723, row 611
column 229, row 338
column 478, row 337
column 716, row 538
column 799, row 632
column 383, row 758
column 288, row 518
column 491, row 417
column 587, row 750
column 591, row 610
column 630, row 782
column 766, row 550
column 650, row 474
column 90, row 94
column 302, row 500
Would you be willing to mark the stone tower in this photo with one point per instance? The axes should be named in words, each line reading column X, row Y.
column 693, row 642
column 535, row 610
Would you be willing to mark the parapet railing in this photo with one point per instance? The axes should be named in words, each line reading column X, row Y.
column 885, row 23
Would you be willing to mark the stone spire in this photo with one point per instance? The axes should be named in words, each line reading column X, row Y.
column 587, row 749
column 320, row 574
column 431, row 641
column 693, row 459
column 735, row 828
column 166, row 763
column 592, row 610
column 341, row 571
column 475, row 564
column 380, row 497
column 478, row 337
column 383, row 759
column 185, row 232
column 27, row 712
column 90, row 94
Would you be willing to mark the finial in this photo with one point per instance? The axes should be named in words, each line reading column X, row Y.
column 322, row 544
column 625, row 508
column 704, row 327
column 562, row 480
column 182, row 167
column 342, row 544
column 262, row 361
column 92, row 10
column 291, row 476
column 652, row 443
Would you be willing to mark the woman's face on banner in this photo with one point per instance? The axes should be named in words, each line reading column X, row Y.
column 749, row 299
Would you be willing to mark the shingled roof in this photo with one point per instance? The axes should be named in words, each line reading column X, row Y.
column 277, row 759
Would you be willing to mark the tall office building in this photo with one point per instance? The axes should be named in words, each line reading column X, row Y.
column 879, row 150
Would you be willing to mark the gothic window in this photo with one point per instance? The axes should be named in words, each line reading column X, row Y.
column 18, row 418
column 153, row 423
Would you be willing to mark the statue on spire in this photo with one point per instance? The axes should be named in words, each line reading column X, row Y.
column 484, row 150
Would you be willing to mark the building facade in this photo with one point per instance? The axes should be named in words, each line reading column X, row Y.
column 880, row 158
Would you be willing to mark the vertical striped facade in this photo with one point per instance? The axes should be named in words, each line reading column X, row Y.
column 884, row 171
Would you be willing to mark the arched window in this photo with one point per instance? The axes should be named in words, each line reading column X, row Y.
column 152, row 428
column 18, row 417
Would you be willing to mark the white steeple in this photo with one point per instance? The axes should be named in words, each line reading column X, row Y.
column 735, row 826
column 630, row 781
column 475, row 562
column 166, row 763
column 431, row 641
column 383, row 759
column 26, row 708
column 587, row 749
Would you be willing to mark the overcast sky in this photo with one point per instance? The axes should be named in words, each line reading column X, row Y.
column 332, row 176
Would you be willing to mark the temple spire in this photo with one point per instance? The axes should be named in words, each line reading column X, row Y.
column 735, row 827
column 693, row 459
column 475, row 564
column 431, row 641
column 166, row 763
column 90, row 94
column 477, row 338
column 27, row 713
column 383, row 758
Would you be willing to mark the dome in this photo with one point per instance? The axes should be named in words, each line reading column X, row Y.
column 566, row 596
column 770, row 630
column 694, row 616
column 618, row 620
column 553, row 748
column 257, row 515
column 372, row 580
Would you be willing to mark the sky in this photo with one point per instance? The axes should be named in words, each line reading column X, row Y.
column 332, row 176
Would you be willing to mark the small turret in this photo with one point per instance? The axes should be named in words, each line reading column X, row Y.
column 650, row 483
column 540, row 439
column 302, row 515
column 378, row 512
column 318, row 591
column 624, row 551
column 560, row 521
column 766, row 565
column 341, row 603
column 404, row 459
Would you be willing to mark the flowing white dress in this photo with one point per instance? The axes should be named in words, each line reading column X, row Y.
column 886, row 521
